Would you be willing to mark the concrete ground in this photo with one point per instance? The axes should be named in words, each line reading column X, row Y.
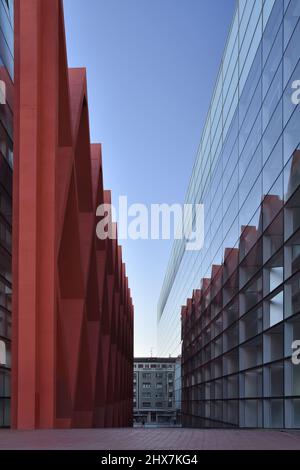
column 149, row 439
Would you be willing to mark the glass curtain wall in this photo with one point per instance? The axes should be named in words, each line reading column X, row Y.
column 6, row 164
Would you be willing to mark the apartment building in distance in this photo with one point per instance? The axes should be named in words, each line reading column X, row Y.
column 154, row 391
column 240, row 292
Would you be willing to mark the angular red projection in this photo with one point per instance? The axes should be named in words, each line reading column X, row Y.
column 72, row 309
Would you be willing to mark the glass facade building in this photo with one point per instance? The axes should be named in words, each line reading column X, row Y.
column 239, row 325
column 6, row 162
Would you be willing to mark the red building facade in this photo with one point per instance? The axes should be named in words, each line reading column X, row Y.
column 72, row 309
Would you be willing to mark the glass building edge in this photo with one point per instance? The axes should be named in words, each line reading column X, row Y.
column 6, row 162
column 169, row 267
column 174, row 261
column 266, row 171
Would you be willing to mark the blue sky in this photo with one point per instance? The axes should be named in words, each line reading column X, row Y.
column 151, row 68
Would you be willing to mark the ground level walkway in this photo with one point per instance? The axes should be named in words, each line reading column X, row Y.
column 149, row 439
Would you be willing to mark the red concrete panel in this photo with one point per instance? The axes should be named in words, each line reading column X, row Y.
column 71, row 364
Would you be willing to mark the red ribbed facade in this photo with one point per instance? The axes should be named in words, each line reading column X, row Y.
column 72, row 308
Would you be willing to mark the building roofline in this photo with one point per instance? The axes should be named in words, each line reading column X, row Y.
column 155, row 359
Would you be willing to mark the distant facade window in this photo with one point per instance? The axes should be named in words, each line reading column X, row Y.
column 146, row 385
column 146, row 404
column 147, row 375
column 2, row 353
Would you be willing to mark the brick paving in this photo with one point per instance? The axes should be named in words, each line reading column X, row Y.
column 149, row 439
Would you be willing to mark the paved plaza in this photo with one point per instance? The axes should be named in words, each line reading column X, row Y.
column 149, row 439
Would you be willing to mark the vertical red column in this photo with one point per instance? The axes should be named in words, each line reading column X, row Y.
column 36, row 84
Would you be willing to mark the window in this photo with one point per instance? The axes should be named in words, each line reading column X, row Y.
column 4, row 412
column 276, row 309
column 159, row 385
column 146, row 375
column 158, row 404
column 146, row 404
column 2, row 353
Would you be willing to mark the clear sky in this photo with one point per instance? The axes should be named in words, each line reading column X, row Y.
column 151, row 67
